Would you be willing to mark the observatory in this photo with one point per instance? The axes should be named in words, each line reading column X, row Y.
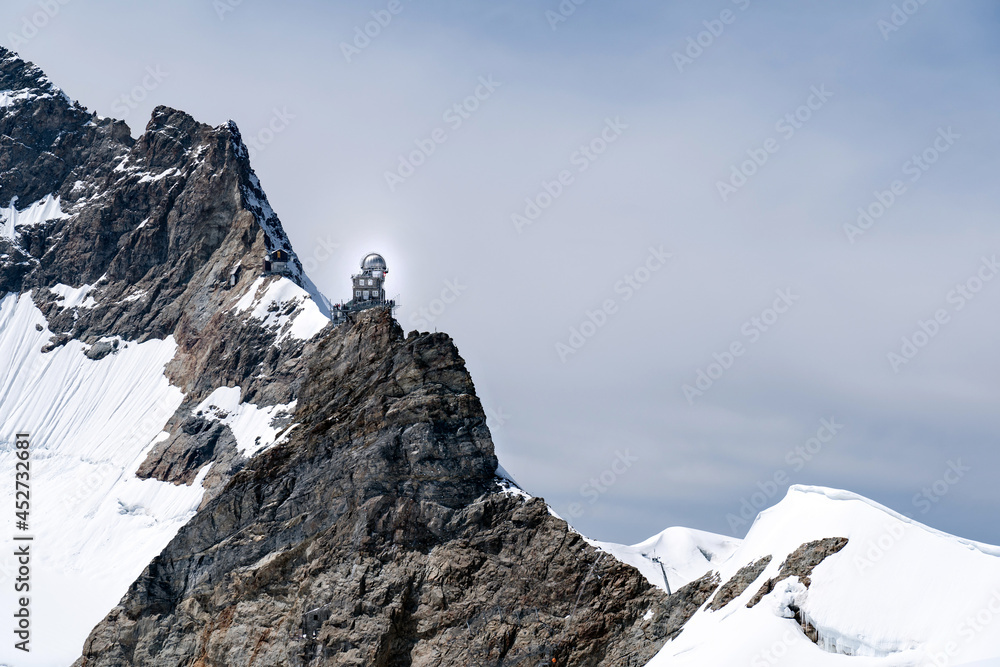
column 367, row 288
column 368, row 285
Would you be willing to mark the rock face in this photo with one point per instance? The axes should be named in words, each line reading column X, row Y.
column 381, row 512
column 800, row 563
column 152, row 229
column 733, row 588
column 376, row 508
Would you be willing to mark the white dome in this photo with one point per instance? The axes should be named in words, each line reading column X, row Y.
column 373, row 261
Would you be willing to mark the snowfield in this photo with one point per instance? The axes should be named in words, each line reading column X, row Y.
column 96, row 526
column 92, row 423
column 42, row 210
column 899, row 594
column 268, row 299
column 685, row 554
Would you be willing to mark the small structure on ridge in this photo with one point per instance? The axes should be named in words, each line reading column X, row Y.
column 368, row 288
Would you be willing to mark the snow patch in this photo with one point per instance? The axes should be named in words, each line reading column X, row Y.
column 285, row 306
column 92, row 424
column 9, row 98
column 685, row 554
column 251, row 425
column 43, row 210
column 152, row 178
column 74, row 297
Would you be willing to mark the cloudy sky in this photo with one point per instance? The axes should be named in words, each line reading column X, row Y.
column 692, row 252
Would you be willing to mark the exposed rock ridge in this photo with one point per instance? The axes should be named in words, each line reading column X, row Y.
column 155, row 227
column 381, row 510
column 740, row 581
column 800, row 563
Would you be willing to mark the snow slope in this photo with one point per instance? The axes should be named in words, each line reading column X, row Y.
column 899, row 594
column 42, row 210
column 96, row 525
column 686, row 555
column 279, row 303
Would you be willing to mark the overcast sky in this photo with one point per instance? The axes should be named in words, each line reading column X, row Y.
column 698, row 170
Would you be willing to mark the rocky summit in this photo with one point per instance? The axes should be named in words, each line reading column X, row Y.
column 372, row 528
column 376, row 534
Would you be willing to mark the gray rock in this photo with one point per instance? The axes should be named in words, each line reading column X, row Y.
column 381, row 506
column 800, row 563
column 733, row 588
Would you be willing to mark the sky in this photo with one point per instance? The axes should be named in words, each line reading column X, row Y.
column 691, row 252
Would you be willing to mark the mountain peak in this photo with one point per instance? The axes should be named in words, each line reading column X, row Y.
column 19, row 76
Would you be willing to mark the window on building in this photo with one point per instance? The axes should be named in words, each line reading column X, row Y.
column 370, row 283
column 366, row 294
column 357, row 293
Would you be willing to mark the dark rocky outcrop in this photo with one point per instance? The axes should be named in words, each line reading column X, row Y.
column 382, row 509
column 379, row 504
column 155, row 226
column 801, row 563
column 740, row 581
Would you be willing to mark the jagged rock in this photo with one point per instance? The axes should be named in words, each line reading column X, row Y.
column 800, row 563
column 155, row 226
column 101, row 349
column 382, row 508
column 740, row 581
column 379, row 503
column 682, row 605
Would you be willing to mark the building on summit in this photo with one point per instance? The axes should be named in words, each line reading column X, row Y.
column 276, row 261
column 367, row 289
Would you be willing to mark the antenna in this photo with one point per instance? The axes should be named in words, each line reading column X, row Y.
column 656, row 559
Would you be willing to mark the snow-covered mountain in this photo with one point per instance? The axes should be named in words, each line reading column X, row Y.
column 221, row 477
column 875, row 586
column 211, row 458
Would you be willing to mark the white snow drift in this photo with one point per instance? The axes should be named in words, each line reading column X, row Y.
column 899, row 594
column 281, row 304
column 96, row 525
column 251, row 425
column 42, row 210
